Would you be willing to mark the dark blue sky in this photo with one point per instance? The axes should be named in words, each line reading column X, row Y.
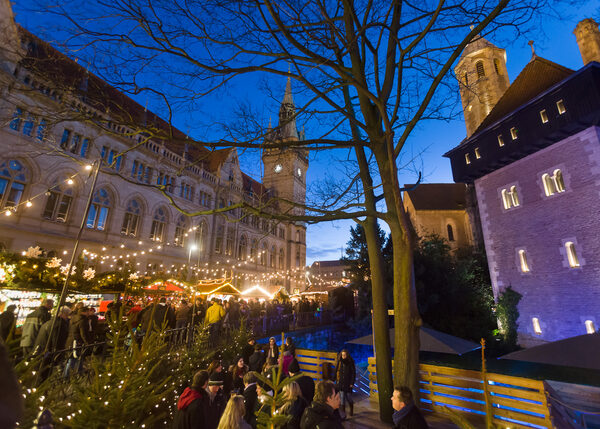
column 555, row 42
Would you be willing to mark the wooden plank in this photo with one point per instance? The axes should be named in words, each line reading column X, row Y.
column 517, row 381
column 437, row 400
column 541, row 421
column 521, row 405
column 450, row 371
column 517, row 393
column 468, row 384
column 453, row 391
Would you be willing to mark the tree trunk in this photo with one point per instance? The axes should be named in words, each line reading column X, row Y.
column 381, row 336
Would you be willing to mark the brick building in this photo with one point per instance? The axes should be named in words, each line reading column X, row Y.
column 60, row 119
column 535, row 162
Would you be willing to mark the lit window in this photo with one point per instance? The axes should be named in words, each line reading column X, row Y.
column 524, row 265
column 514, row 133
column 589, row 327
column 510, row 198
column 467, row 158
column 553, row 184
column 98, row 213
column 536, row 326
column 544, row 116
column 15, row 124
column 477, row 154
column 560, row 106
column 480, row 69
column 12, row 183
column 572, row 254
column 500, row 140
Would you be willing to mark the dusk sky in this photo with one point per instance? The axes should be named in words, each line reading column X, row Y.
column 427, row 145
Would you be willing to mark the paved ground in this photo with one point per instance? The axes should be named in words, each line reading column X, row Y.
column 366, row 415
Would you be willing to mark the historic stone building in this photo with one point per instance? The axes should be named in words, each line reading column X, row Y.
column 443, row 209
column 534, row 160
column 60, row 119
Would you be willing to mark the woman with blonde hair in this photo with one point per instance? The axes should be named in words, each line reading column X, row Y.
column 233, row 416
column 294, row 405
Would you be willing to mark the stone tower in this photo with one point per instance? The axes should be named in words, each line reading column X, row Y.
column 285, row 175
column 483, row 79
column 588, row 39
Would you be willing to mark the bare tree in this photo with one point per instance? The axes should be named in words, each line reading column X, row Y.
column 369, row 71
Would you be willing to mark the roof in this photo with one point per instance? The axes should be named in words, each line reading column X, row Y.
column 253, row 186
column 537, row 76
column 438, row 196
column 475, row 45
column 67, row 75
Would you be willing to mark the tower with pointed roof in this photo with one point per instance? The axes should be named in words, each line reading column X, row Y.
column 588, row 39
column 285, row 168
column 481, row 71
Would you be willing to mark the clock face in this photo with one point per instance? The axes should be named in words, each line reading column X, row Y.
column 278, row 168
column 299, row 172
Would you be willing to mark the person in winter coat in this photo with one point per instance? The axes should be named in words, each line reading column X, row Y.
column 257, row 359
column 306, row 383
column 59, row 336
column 216, row 400
column 238, row 371
column 32, row 325
column 294, row 405
column 250, row 398
column 406, row 414
column 7, row 321
column 272, row 350
column 249, row 349
column 233, row 417
column 154, row 316
column 290, row 346
column 214, row 314
column 345, row 375
column 80, row 335
column 322, row 412
column 193, row 403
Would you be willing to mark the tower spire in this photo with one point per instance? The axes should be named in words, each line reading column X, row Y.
column 287, row 114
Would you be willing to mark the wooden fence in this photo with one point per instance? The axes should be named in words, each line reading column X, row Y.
column 515, row 402
column 314, row 363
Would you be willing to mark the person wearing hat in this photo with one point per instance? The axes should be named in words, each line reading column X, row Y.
column 306, row 383
column 192, row 405
column 216, row 400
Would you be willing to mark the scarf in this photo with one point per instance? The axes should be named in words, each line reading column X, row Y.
column 400, row 414
column 187, row 397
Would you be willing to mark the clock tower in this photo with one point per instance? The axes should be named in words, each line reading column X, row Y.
column 285, row 176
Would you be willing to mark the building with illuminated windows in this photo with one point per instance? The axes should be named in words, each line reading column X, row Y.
column 532, row 152
column 61, row 118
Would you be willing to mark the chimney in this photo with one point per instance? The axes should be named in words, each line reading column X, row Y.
column 588, row 39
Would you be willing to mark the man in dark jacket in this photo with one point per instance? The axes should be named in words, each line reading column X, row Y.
column 216, row 400
column 249, row 349
column 322, row 413
column 406, row 414
column 306, row 383
column 32, row 325
column 192, row 404
column 250, row 398
column 80, row 335
column 256, row 360
column 7, row 321
column 59, row 336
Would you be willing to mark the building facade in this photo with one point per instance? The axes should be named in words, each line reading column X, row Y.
column 60, row 120
column 535, row 164
column 443, row 209
column 328, row 275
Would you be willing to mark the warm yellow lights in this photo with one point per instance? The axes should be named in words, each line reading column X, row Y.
column 28, row 204
column 70, row 182
column 88, row 167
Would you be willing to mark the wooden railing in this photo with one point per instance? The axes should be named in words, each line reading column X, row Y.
column 314, row 362
column 515, row 402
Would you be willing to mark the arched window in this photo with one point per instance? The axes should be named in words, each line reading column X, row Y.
column 536, row 326
column 497, row 66
column 572, row 255
column 242, row 248
column 589, row 327
column 506, row 200
column 131, row 221
column 514, row 196
column 180, row 231
column 229, row 242
column 12, row 183
column 263, row 255
column 480, row 69
column 98, row 213
column 253, row 249
column 219, row 239
column 159, row 221
column 281, row 259
column 450, row 232
column 523, row 261
column 549, row 188
column 58, row 203
column 272, row 257
column 559, row 183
